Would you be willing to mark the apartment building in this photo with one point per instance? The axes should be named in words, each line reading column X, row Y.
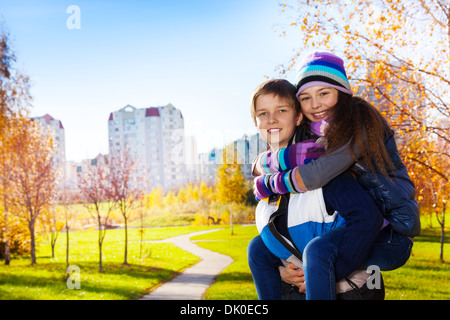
column 154, row 138
column 57, row 129
column 243, row 152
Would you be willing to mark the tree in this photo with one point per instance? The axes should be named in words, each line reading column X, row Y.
column 155, row 199
column 14, row 100
column 397, row 55
column 14, row 86
column 95, row 187
column 230, row 181
column 398, row 49
column 66, row 198
column 5, row 186
column 53, row 225
column 206, row 194
column 32, row 172
column 124, row 188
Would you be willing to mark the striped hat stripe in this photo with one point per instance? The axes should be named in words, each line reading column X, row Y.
column 311, row 64
column 325, row 75
column 326, row 72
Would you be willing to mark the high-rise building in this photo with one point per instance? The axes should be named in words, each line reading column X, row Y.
column 154, row 138
column 243, row 152
column 57, row 130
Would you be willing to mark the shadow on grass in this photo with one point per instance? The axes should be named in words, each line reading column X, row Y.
column 116, row 280
column 429, row 235
column 234, row 276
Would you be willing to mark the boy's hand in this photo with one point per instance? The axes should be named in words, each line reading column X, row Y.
column 293, row 275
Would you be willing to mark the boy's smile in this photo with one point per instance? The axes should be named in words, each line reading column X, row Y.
column 276, row 120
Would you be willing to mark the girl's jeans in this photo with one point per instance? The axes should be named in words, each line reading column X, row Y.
column 390, row 251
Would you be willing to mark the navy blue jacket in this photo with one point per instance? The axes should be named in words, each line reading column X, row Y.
column 394, row 196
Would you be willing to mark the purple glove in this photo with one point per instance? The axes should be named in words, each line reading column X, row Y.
column 299, row 154
column 278, row 183
column 293, row 156
column 261, row 187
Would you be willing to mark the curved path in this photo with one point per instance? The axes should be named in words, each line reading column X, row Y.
column 193, row 282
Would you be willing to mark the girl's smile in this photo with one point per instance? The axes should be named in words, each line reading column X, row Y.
column 317, row 102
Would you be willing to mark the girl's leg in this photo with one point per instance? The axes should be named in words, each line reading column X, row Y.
column 390, row 250
column 319, row 259
column 363, row 221
column 264, row 267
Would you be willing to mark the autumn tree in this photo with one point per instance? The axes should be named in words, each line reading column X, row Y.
column 6, row 200
column 230, row 181
column 66, row 198
column 52, row 220
column 397, row 54
column 396, row 51
column 95, row 187
column 14, row 101
column 206, row 194
column 124, row 187
column 33, row 173
column 154, row 199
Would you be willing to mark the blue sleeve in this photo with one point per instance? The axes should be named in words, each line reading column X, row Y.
column 363, row 222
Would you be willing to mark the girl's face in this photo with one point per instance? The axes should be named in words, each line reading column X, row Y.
column 276, row 120
column 317, row 102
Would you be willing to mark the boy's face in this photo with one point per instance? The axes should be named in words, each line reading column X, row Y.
column 276, row 120
column 317, row 102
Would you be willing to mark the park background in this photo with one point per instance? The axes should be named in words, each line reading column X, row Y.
column 397, row 55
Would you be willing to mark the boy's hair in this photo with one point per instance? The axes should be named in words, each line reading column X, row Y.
column 279, row 87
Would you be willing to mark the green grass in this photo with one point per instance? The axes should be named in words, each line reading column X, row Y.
column 47, row 279
column 424, row 276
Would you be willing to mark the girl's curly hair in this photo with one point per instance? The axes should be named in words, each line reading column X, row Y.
column 357, row 122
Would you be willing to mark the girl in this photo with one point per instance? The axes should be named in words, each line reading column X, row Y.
column 356, row 135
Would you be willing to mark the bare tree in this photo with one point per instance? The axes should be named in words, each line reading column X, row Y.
column 95, row 187
column 124, row 188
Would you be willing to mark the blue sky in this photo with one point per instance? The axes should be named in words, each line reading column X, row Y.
column 203, row 56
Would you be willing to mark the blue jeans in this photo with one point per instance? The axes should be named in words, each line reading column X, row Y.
column 264, row 267
column 390, row 251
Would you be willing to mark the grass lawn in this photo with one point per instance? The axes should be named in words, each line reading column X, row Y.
column 424, row 276
column 47, row 279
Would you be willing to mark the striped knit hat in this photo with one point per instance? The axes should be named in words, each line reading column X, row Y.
column 322, row 68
